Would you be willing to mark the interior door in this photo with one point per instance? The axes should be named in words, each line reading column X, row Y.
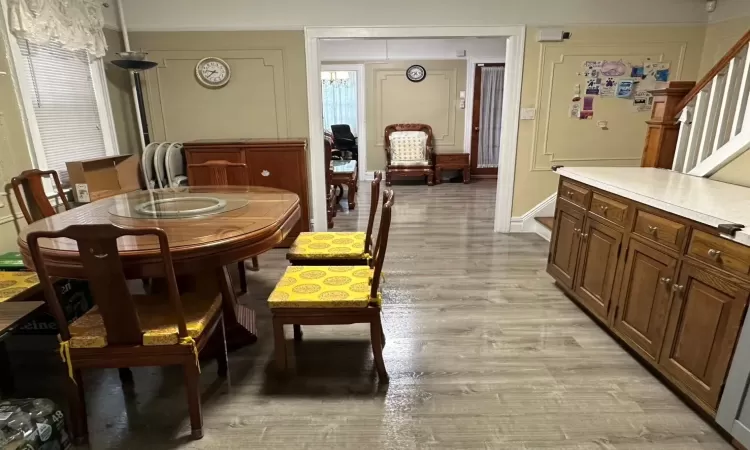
column 565, row 244
column 644, row 298
column 703, row 326
column 476, row 110
column 597, row 266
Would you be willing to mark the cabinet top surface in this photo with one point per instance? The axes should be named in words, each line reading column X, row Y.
column 247, row 141
column 696, row 198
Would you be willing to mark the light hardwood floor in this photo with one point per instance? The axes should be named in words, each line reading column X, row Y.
column 484, row 352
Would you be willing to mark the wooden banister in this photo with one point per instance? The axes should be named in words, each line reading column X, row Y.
column 721, row 65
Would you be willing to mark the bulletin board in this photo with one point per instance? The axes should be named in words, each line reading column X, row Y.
column 616, row 80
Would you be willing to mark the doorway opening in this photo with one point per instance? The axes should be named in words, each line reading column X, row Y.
column 514, row 37
column 343, row 100
column 486, row 119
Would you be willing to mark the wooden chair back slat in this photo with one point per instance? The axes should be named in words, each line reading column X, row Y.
column 382, row 242
column 33, row 200
column 374, row 199
column 97, row 247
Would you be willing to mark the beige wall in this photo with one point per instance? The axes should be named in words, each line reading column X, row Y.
column 266, row 96
column 391, row 98
column 550, row 73
column 14, row 153
column 121, row 97
column 720, row 37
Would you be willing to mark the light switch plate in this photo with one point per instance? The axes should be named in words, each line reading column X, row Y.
column 528, row 113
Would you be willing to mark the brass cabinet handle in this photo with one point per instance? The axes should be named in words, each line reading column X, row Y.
column 584, row 235
column 714, row 254
column 577, row 230
column 652, row 229
column 678, row 288
column 604, row 208
column 569, row 194
column 665, row 280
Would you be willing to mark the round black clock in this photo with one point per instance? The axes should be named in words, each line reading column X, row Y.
column 416, row 73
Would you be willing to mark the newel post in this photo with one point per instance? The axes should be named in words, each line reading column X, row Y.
column 663, row 128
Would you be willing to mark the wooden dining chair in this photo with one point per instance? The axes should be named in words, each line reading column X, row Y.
column 125, row 330
column 224, row 173
column 328, row 248
column 333, row 295
column 33, row 199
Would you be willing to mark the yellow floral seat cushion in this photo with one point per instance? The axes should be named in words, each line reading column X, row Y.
column 14, row 283
column 328, row 245
column 324, row 287
column 157, row 321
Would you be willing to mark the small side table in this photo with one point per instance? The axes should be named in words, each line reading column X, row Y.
column 345, row 173
column 452, row 161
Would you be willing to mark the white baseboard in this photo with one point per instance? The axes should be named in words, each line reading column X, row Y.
column 526, row 222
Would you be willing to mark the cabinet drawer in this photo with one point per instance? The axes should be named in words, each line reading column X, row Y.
column 720, row 252
column 446, row 159
column 659, row 229
column 203, row 155
column 609, row 209
column 574, row 193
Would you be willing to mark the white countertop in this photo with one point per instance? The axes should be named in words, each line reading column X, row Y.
column 699, row 199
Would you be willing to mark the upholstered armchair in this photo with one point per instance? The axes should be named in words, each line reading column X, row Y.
column 409, row 151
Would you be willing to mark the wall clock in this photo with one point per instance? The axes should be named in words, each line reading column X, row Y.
column 416, row 73
column 213, row 72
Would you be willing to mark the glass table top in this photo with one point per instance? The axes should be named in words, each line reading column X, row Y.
column 344, row 166
column 177, row 203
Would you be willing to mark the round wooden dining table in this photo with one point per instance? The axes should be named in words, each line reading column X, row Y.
column 208, row 229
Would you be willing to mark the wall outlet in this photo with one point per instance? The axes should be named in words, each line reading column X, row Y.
column 528, row 113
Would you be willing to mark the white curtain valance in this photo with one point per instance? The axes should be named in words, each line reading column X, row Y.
column 76, row 24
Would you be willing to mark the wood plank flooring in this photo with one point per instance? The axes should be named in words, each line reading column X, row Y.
column 484, row 352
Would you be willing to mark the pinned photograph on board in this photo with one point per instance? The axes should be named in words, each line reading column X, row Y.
column 593, row 85
column 575, row 109
column 642, row 101
column 625, row 88
column 637, row 72
column 608, row 88
column 614, row 68
column 587, row 112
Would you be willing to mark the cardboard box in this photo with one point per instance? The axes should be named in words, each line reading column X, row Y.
column 75, row 300
column 94, row 179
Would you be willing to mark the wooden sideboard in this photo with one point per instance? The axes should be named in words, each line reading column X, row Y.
column 277, row 163
column 672, row 289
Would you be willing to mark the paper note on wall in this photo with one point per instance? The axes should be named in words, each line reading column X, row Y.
column 588, row 108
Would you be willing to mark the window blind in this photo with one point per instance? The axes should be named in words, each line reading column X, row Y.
column 64, row 104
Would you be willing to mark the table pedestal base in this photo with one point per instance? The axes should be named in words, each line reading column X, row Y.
column 243, row 332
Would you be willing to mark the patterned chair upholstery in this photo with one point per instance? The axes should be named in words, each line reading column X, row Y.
column 409, row 151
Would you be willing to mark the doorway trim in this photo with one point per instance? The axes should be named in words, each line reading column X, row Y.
column 516, row 35
column 361, row 123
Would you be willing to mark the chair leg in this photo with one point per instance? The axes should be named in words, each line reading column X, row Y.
column 192, row 386
column 376, row 335
column 387, row 178
column 279, row 344
column 222, row 360
column 243, row 277
column 297, row 332
column 126, row 375
column 254, row 267
column 77, row 404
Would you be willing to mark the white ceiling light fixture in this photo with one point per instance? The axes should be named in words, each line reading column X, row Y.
column 711, row 5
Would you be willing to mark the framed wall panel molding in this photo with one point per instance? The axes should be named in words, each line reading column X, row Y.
column 445, row 132
column 559, row 65
column 258, row 78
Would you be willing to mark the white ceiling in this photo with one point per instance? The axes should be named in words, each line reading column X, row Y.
column 173, row 15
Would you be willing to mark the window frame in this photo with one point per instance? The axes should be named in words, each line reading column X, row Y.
column 24, row 97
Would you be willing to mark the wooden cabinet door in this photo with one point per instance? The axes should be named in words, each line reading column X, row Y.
column 703, row 327
column 642, row 305
column 565, row 244
column 597, row 266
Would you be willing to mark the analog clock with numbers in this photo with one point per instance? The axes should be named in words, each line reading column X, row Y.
column 212, row 72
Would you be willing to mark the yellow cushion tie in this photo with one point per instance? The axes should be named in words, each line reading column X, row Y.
column 191, row 342
column 65, row 356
